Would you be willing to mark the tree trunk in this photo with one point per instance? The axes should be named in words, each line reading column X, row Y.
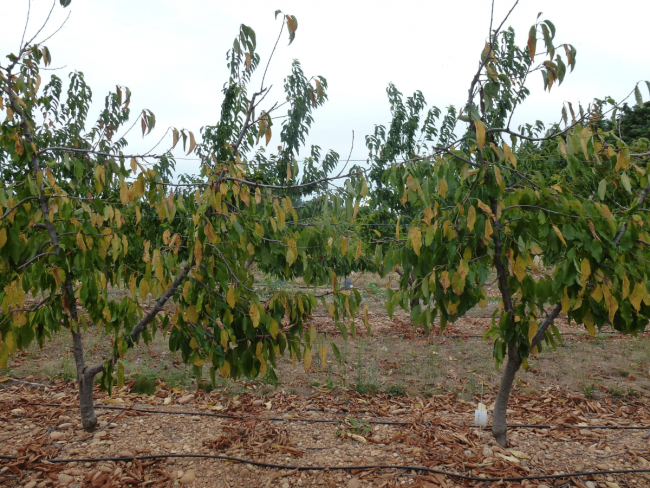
column 499, row 423
column 85, row 376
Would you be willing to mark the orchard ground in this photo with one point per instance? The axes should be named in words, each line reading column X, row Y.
column 393, row 373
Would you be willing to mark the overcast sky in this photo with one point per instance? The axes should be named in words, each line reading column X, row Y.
column 172, row 54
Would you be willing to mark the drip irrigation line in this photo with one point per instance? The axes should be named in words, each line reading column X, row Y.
column 333, row 468
column 336, row 421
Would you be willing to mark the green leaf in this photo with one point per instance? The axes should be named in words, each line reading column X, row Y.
column 637, row 95
column 625, row 179
column 602, row 188
column 65, row 3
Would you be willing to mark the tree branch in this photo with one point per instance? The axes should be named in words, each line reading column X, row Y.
column 548, row 321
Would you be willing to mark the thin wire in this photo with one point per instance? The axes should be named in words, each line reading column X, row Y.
column 339, row 468
column 332, row 421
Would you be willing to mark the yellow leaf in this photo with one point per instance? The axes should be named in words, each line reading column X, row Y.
column 198, row 252
column 245, row 195
column 519, row 454
column 344, row 245
column 458, row 280
column 497, row 175
column 186, row 290
column 397, row 227
column 416, row 239
column 443, row 187
column 258, row 196
column 559, row 234
column 250, row 248
column 610, row 302
column 224, row 339
column 192, row 314
column 80, row 241
column 637, row 295
column 225, row 369
column 260, row 357
column 535, row 249
column 209, row 233
column 471, row 218
column 254, row 312
column 3, row 237
column 273, row 328
column 120, row 374
column 520, row 268
column 588, row 320
column 292, row 252
column 331, row 310
column 323, row 357
column 288, row 171
column 597, row 294
column 259, row 230
column 358, row 253
column 488, row 231
column 566, row 301
column 138, row 216
column 357, row 438
column 486, row 209
column 480, row 133
column 512, row 459
column 621, row 162
column 532, row 330
column 144, row 289
column 230, row 296
column 307, row 359
column 124, row 193
column 444, row 280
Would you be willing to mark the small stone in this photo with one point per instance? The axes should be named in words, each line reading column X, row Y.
column 65, row 479
column 188, row 477
column 195, row 417
column 31, row 484
column 468, row 453
column 127, row 454
column 285, row 485
column 64, row 426
column 55, row 436
column 258, row 403
column 354, row 483
column 185, row 399
column 590, row 484
column 487, row 452
column 602, row 467
column 543, row 486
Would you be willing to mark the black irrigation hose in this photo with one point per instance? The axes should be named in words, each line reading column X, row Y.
column 334, row 421
column 332, row 468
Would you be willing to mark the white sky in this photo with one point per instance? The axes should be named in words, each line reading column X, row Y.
column 172, row 54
